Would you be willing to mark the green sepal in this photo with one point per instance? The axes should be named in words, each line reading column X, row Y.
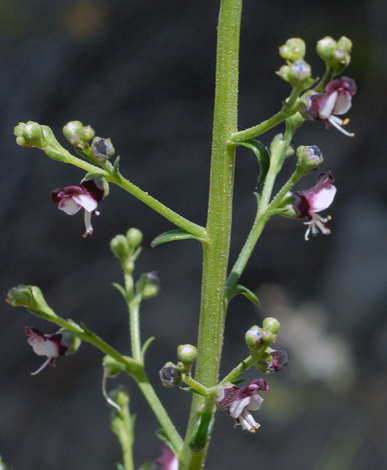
column 160, row 433
column 145, row 346
column 172, row 236
column 239, row 381
column 263, row 155
column 120, row 289
column 239, row 289
column 190, row 389
column 202, row 432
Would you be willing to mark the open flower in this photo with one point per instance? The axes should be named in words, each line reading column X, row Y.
column 168, row 461
column 237, row 401
column 73, row 198
column 307, row 203
column 52, row 346
column 334, row 101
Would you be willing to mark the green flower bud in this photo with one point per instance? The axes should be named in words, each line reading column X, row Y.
column 283, row 72
column 170, row 375
column 271, row 324
column 119, row 247
column 344, row 44
column 293, row 49
column 32, row 298
column 299, row 72
column 120, row 396
column 134, row 237
column 29, row 135
column 76, row 133
column 187, row 354
column 309, row 157
column 152, row 285
column 326, row 48
column 254, row 338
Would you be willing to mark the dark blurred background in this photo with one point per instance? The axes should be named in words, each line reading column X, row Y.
column 142, row 73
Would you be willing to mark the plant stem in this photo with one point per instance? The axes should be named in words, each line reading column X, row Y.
column 216, row 251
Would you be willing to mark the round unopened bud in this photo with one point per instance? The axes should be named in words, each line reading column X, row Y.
column 73, row 128
column 309, row 157
column 134, row 237
column 293, row 49
column 187, row 353
column 20, row 296
column 102, row 149
column 271, row 324
column 283, row 72
column 344, row 44
column 170, row 375
column 119, row 247
column 111, row 366
column 253, row 337
column 152, row 285
column 326, row 48
column 299, row 72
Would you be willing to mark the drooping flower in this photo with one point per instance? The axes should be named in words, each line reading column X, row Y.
column 168, row 461
column 237, row 401
column 307, row 203
column 274, row 361
column 73, row 198
column 335, row 100
column 52, row 346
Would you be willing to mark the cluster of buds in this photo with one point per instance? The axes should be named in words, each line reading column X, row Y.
column 258, row 339
column 87, row 196
column 297, row 72
column 336, row 55
column 79, row 135
column 172, row 374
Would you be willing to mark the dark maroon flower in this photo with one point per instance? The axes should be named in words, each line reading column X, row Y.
column 334, row 101
column 52, row 346
column 279, row 360
column 73, row 198
column 237, row 401
column 307, row 203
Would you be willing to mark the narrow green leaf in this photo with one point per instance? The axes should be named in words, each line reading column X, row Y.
column 173, row 235
column 160, row 433
column 146, row 346
column 120, row 289
column 201, row 432
column 189, row 389
column 239, row 289
column 116, row 166
column 263, row 155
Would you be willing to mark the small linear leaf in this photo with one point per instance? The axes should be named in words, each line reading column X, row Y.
column 146, row 346
column 116, row 166
column 239, row 381
column 201, row 432
column 171, row 236
column 160, row 433
column 263, row 155
column 239, row 289
column 120, row 289
column 189, row 389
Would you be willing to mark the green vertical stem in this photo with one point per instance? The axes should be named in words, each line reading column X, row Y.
column 216, row 251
